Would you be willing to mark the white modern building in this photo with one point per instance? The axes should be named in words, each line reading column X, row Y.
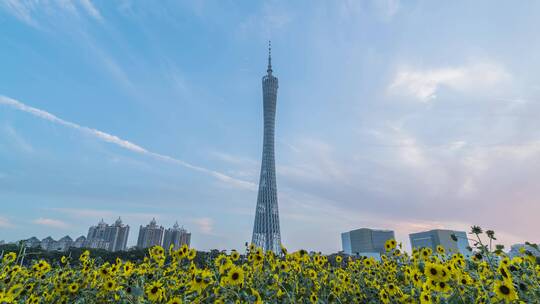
column 516, row 248
column 433, row 238
column 365, row 241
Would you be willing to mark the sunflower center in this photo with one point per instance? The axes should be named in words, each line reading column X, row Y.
column 504, row 290
column 235, row 276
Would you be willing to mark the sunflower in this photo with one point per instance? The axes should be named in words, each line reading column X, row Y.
column 33, row 299
column 505, row 291
column 84, row 256
column 157, row 251
column 283, row 250
column 432, row 271
column 313, row 298
column 339, row 259
column 110, row 285
column 29, row 287
column 154, row 291
column 416, row 278
column 383, row 296
column 73, row 287
column 191, row 254
column 183, row 251
column 390, row 244
column 235, row 276
column 312, row 274
column 425, row 297
column 15, row 291
column 258, row 258
column 283, row 266
column 221, row 260
column 176, row 300
column 252, row 247
column 507, row 275
column 425, row 252
column 128, row 269
column 440, row 249
column 9, row 258
column 443, row 287
column 200, row 280
column 235, row 255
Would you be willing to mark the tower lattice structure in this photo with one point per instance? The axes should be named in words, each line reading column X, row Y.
column 266, row 232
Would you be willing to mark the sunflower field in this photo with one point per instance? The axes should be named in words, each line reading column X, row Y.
column 172, row 276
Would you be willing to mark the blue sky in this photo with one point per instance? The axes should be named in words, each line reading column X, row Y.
column 406, row 115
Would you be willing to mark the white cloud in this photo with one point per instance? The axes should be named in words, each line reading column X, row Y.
column 113, row 139
column 423, row 84
column 50, row 223
column 270, row 19
column 387, row 8
column 5, row 222
column 205, row 225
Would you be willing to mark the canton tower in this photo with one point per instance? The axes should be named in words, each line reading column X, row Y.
column 266, row 227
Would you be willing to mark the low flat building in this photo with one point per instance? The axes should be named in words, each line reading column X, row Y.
column 433, row 238
column 79, row 242
column 48, row 244
column 365, row 241
column 32, row 242
column 517, row 249
column 64, row 243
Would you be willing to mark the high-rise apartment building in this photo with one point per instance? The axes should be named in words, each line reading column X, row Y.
column 176, row 236
column 150, row 235
column 109, row 237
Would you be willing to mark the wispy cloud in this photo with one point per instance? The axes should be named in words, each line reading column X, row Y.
column 21, row 10
column 91, row 9
column 51, row 223
column 25, row 10
column 423, row 84
column 113, row 139
column 18, row 141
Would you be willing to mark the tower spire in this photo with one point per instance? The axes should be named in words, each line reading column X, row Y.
column 269, row 70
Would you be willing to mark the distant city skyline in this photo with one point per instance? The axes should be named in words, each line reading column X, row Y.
column 114, row 237
column 408, row 115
